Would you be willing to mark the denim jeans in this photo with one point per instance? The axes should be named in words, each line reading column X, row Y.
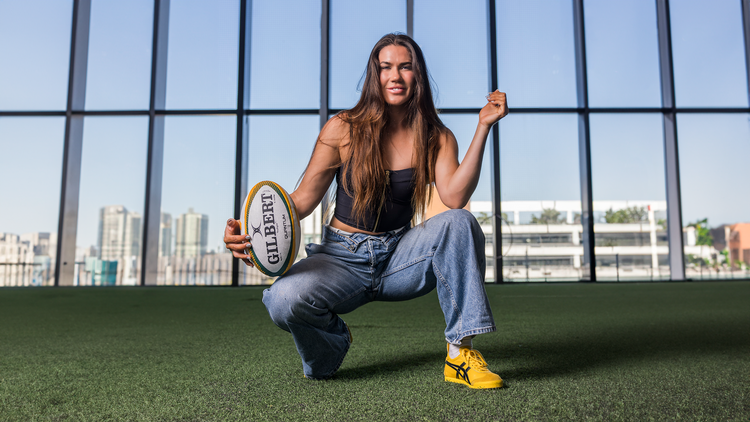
column 348, row 270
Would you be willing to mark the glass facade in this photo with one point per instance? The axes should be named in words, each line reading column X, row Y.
column 630, row 207
column 131, row 130
column 197, row 192
column 111, row 210
column 28, row 228
column 541, row 198
column 714, row 152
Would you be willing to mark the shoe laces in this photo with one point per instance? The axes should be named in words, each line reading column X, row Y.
column 475, row 359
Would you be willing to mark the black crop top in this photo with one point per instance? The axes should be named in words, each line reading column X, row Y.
column 395, row 213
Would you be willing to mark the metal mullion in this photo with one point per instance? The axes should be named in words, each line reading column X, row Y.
column 73, row 146
column 584, row 144
column 33, row 113
column 746, row 37
column 155, row 157
column 671, row 156
column 316, row 111
column 474, row 110
column 282, row 111
column 325, row 32
column 410, row 18
column 591, row 110
column 497, row 223
column 325, row 45
column 243, row 103
column 192, row 112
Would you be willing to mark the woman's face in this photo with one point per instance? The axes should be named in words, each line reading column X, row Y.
column 396, row 75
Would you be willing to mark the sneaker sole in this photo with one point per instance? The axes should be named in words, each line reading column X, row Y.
column 479, row 385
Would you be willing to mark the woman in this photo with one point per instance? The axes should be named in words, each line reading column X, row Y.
column 385, row 154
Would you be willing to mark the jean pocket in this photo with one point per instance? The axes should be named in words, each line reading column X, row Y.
column 405, row 265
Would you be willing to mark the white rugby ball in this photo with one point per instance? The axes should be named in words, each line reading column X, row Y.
column 270, row 218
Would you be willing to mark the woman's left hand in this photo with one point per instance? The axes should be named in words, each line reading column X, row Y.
column 496, row 109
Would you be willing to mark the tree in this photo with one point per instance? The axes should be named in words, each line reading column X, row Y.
column 549, row 216
column 626, row 215
column 486, row 217
column 702, row 233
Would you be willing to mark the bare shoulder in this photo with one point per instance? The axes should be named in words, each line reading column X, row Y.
column 335, row 132
column 448, row 141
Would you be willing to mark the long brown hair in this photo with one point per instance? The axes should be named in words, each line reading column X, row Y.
column 368, row 121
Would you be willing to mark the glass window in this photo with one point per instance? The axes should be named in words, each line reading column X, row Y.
column 541, row 198
column 536, row 53
column 30, row 188
column 35, row 41
column 622, row 53
column 463, row 127
column 285, row 63
column 197, row 199
column 630, row 207
column 119, row 67
column 352, row 38
column 110, row 210
column 202, row 58
column 714, row 149
column 709, row 53
column 297, row 140
column 456, row 59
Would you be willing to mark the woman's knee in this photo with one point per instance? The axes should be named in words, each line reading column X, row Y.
column 461, row 218
column 280, row 301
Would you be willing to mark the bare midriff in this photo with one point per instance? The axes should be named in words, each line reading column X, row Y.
column 336, row 224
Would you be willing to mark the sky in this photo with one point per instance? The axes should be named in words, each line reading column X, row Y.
column 536, row 62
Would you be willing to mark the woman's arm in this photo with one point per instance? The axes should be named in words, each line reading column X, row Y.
column 318, row 177
column 456, row 182
column 322, row 167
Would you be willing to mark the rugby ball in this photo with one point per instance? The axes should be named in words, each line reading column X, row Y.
column 270, row 219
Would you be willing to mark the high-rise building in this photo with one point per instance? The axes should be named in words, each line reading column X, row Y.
column 42, row 243
column 191, row 234
column 119, row 233
column 165, row 235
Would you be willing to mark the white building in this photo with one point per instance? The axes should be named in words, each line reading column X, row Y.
column 191, row 234
column 119, row 233
column 536, row 248
column 26, row 260
column 118, row 242
column 165, row 235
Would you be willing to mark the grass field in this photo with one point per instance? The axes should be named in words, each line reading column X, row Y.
column 663, row 351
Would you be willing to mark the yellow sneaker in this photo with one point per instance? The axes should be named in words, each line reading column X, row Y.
column 469, row 368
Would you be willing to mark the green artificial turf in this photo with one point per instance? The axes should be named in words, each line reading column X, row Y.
column 663, row 351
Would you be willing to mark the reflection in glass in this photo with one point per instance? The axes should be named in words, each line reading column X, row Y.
column 541, row 199
column 203, row 54
column 622, row 53
column 448, row 52
column 197, row 199
column 35, row 39
column 110, row 210
column 295, row 136
column 714, row 151
column 463, row 127
column 535, row 53
column 285, row 65
column 630, row 207
column 30, row 192
column 708, row 53
column 355, row 28
column 119, row 66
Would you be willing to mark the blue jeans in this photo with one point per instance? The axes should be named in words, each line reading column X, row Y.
column 349, row 270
